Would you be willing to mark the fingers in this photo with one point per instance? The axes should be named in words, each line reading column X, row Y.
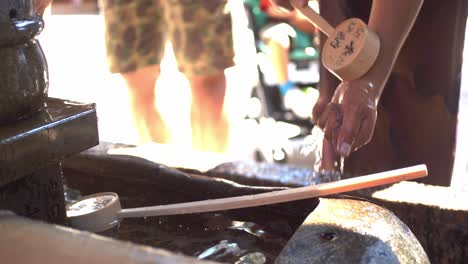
column 330, row 118
column 347, row 129
column 333, row 122
column 347, row 134
column 318, row 110
column 366, row 131
column 320, row 106
column 356, row 131
column 329, row 156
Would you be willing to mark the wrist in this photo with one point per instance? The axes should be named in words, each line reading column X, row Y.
column 374, row 80
column 361, row 90
column 373, row 88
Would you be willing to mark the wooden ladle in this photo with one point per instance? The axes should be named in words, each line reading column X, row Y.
column 102, row 211
column 350, row 49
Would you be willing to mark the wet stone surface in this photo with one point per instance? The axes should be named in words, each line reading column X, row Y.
column 38, row 195
column 210, row 236
column 271, row 174
column 352, row 231
column 258, row 233
column 231, row 236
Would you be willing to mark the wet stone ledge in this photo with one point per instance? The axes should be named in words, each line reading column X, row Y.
column 270, row 174
column 62, row 129
column 31, row 180
column 141, row 182
column 429, row 214
column 437, row 215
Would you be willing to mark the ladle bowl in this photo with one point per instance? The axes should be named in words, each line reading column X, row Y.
column 96, row 212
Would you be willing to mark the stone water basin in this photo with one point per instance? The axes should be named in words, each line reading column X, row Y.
column 279, row 233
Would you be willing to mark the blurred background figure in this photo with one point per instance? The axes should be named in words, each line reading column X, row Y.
column 79, row 47
column 200, row 32
column 77, row 3
column 282, row 29
column 41, row 5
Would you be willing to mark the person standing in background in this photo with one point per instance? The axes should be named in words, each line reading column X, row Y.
column 201, row 35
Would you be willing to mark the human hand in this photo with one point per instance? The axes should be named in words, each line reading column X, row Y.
column 348, row 121
column 322, row 102
column 41, row 5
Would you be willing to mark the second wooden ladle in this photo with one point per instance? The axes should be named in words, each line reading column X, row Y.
column 103, row 211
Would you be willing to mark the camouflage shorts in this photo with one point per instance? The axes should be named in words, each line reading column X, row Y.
column 137, row 30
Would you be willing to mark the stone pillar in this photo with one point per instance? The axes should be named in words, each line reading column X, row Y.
column 31, row 151
column 37, row 196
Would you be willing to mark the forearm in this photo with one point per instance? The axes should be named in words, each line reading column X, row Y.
column 392, row 21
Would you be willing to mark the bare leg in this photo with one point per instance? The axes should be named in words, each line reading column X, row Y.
column 148, row 120
column 209, row 122
column 278, row 54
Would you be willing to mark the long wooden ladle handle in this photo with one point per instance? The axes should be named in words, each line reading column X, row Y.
column 275, row 197
column 314, row 18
